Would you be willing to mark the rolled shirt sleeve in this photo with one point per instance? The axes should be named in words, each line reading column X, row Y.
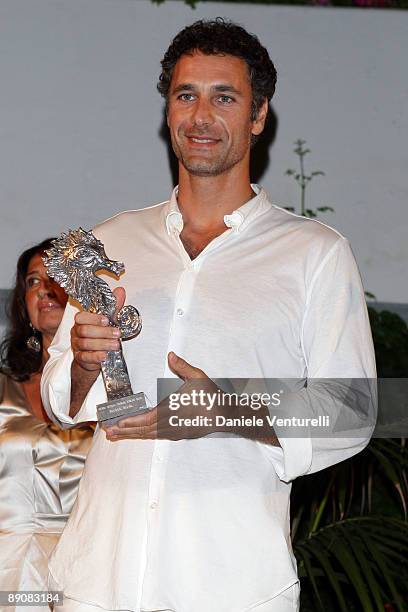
column 56, row 379
column 341, row 374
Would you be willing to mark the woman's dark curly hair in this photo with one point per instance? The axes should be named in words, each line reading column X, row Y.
column 219, row 37
column 16, row 359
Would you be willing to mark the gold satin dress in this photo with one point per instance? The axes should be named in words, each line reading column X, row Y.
column 40, row 469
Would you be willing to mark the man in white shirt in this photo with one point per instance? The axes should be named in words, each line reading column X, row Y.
column 228, row 285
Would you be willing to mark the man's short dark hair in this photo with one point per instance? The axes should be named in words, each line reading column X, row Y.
column 220, row 37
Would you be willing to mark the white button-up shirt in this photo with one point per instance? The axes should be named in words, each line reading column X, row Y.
column 203, row 524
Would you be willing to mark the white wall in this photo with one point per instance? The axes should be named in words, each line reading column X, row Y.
column 79, row 118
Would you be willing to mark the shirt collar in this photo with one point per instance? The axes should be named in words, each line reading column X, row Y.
column 237, row 220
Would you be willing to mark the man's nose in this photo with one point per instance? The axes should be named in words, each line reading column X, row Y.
column 203, row 113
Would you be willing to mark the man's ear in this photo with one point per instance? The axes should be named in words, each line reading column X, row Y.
column 259, row 123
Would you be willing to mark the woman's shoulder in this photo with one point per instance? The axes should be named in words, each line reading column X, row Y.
column 11, row 392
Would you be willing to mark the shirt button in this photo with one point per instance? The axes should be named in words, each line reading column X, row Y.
column 153, row 505
column 180, row 312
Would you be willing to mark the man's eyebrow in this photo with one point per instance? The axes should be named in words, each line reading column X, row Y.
column 184, row 87
column 221, row 88
column 226, row 87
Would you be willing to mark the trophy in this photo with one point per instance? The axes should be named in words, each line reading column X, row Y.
column 73, row 262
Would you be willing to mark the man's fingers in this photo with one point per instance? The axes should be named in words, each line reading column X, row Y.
column 90, row 357
column 120, row 295
column 95, row 344
column 183, row 369
column 97, row 331
column 141, row 420
column 146, row 436
column 91, row 362
column 133, row 432
column 144, row 432
column 139, row 426
column 90, row 318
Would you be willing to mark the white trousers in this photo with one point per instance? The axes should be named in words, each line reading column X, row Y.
column 287, row 601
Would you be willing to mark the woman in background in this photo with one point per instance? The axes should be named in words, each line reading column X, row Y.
column 40, row 464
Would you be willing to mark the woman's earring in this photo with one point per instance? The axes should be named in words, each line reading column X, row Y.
column 33, row 342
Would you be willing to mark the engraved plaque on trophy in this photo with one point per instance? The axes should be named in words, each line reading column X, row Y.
column 73, row 262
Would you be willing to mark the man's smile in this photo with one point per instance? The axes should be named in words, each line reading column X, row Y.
column 202, row 140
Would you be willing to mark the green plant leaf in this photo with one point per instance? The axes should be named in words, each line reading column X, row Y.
column 350, row 567
column 370, row 295
column 317, row 516
column 382, row 565
column 320, row 554
column 310, row 572
column 367, row 554
column 325, row 209
column 360, row 552
column 391, row 473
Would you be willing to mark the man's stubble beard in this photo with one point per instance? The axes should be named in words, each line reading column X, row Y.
column 208, row 168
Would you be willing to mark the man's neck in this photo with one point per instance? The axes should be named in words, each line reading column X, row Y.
column 204, row 201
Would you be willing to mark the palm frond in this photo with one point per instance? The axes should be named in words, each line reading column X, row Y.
column 363, row 559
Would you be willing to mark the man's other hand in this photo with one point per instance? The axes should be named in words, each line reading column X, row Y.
column 155, row 423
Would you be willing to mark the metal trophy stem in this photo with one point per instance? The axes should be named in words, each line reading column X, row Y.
column 73, row 262
column 121, row 399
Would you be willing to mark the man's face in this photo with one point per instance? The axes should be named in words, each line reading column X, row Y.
column 209, row 113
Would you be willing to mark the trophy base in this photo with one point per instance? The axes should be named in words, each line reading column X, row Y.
column 111, row 412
